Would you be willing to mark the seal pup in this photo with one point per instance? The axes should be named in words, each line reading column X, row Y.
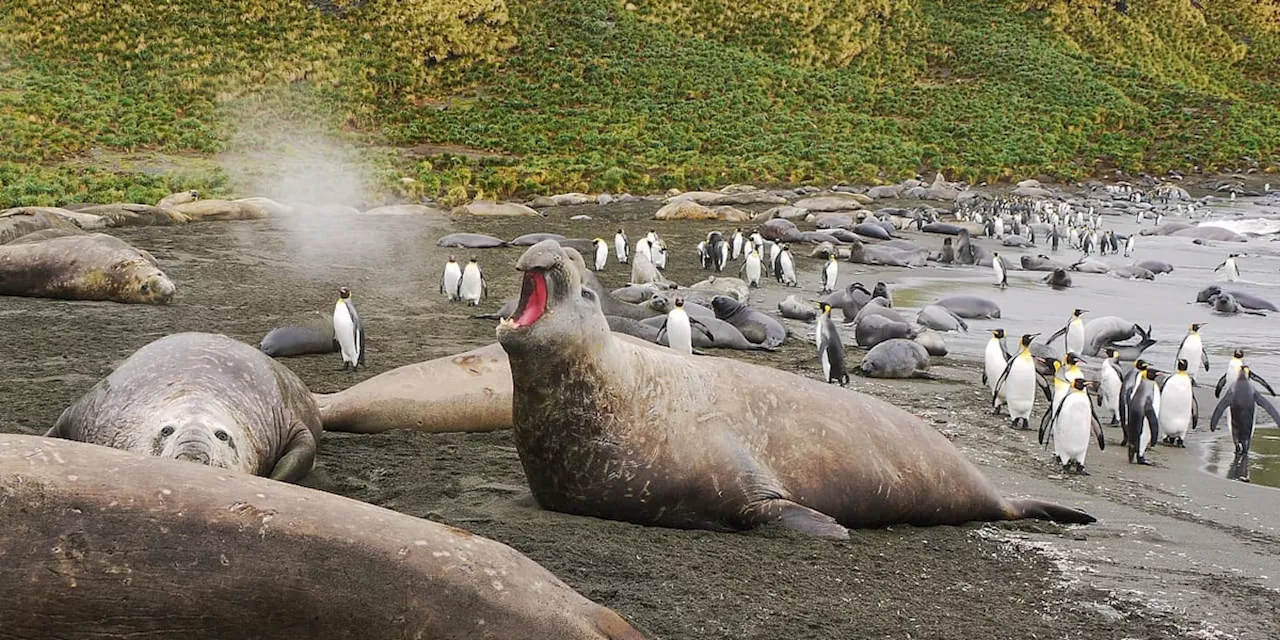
column 715, row 443
column 155, row 532
column 1178, row 409
column 204, row 398
column 301, row 339
column 849, row 300
column 896, row 358
column 348, row 330
column 472, row 287
column 1245, row 299
column 873, row 329
column 793, row 308
column 452, row 279
column 1018, row 383
column 1242, row 400
column 831, row 350
column 1059, row 279
column 755, row 326
column 470, row 241
column 970, row 307
column 940, row 318
column 1072, row 425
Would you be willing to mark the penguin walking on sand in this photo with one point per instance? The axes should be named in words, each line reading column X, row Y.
column 1192, row 350
column 995, row 358
column 831, row 350
column 678, row 327
column 1229, row 265
column 1234, row 367
column 1128, row 383
column 1074, row 331
column 1142, row 419
column 473, row 287
column 348, row 331
column 1018, row 382
column 451, row 279
column 738, row 245
column 1241, row 402
column 1073, row 425
column 1128, row 244
column 751, row 268
column 1109, row 381
column 829, row 274
column 602, row 253
column 1178, row 409
column 621, row 245
column 998, row 268
column 784, row 267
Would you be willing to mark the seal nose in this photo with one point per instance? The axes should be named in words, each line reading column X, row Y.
column 194, row 456
column 160, row 287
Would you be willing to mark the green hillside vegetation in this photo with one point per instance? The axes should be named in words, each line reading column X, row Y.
column 594, row 95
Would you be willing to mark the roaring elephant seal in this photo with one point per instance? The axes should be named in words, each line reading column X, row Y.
column 469, row 391
column 87, row 528
column 73, row 265
column 612, row 427
column 204, row 398
column 896, row 358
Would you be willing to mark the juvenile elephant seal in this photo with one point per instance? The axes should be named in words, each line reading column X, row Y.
column 873, row 254
column 470, row 241
column 897, row 358
column 1089, row 265
column 87, row 528
column 1059, row 279
column 1246, row 300
column 530, row 239
column 849, row 300
column 718, row 335
column 970, row 307
column 469, row 391
column 1133, row 272
column 1040, row 263
column 72, row 265
column 611, row 427
column 940, row 318
column 932, row 342
column 873, row 329
column 793, row 308
column 205, row 398
column 757, row 327
column 1156, row 266
column 300, row 340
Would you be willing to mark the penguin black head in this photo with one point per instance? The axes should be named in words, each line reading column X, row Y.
column 472, row 260
column 1182, row 364
column 998, row 333
column 1079, row 312
column 1238, row 353
column 679, row 302
column 826, row 308
column 1196, row 326
column 1072, row 358
column 1140, row 364
column 1112, row 352
column 1079, row 384
column 1150, row 373
column 344, row 293
column 1026, row 339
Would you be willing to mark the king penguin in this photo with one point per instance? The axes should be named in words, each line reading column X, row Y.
column 621, row 245
column 1192, row 350
column 1074, row 332
column 829, row 274
column 602, row 253
column 1242, row 400
column 678, row 327
column 451, row 279
column 751, row 268
column 1109, row 386
column 348, row 331
column 1178, row 409
column 994, row 360
column 1073, row 425
column 1232, row 272
column 1128, row 244
column 1142, row 419
column 784, row 267
column 738, row 244
column 997, row 266
column 1018, row 382
column 473, row 287
column 831, row 349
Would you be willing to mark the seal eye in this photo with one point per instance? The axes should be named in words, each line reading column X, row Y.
column 221, row 435
column 146, row 287
column 166, row 432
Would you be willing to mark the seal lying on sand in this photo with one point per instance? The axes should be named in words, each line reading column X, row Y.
column 73, row 265
column 204, row 398
column 87, row 528
column 315, row 336
column 469, row 391
column 610, row 427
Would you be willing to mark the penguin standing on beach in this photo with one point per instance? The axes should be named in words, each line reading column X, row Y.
column 829, row 274
column 1073, row 425
column 784, row 267
column 751, row 268
column 994, row 360
column 1192, row 350
column 737, row 244
column 451, row 279
column 1109, row 386
column 831, row 349
column 621, row 245
column 1142, row 419
column 678, row 327
column 1242, row 400
column 1178, row 409
column 348, row 331
column 1128, row 244
column 602, row 253
column 1127, row 385
column 473, row 287
column 1018, row 382
column 1074, row 332
column 1231, row 271
column 998, row 268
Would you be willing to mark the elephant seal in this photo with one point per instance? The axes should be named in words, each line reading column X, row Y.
column 932, row 342
column 896, row 358
column 735, row 288
column 468, row 391
column 1089, row 265
column 136, row 215
column 940, row 318
column 635, row 293
column 871, row 230
column 793, row 308
column 948, row 253
column 73, row 265
column 1209, row 232
column 874, row 329
column 300, row 340
column 970, row 307
column 178, row 197
column 610, row 427
column 849, row 300
column 942, row 228
column 1133, row 272
column 965, row 253
column 1040, row 263
column 1156, row 266
column 873, row 254
column 530, row 239
column 1104, row 331
column 1059, row 279
column 718, row 335
column 205, row 398
column 636, row 328
column 15, row 223
column 88, row 528
column 470, row 241
column 879, row 305
column 1246, row 300
column 757, row 327
column 644, row 272
column 1225, row 303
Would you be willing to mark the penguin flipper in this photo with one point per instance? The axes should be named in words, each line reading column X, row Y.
column 1258, row 379
column 1204, row 359
column 299, row 455
column 1096, row 427
column 1268, row 407
column 1222, row 382
column 995, row 393
column 1195, row 412
column 1220, row 409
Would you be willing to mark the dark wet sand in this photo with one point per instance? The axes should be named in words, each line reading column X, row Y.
column 974, row 581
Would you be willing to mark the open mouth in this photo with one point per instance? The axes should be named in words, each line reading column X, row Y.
column 533, row 299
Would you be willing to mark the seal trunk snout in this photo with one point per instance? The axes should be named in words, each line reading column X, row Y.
column 190, row 455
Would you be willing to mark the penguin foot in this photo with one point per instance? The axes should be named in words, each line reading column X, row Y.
column 1143, row 461
column 1182, row 444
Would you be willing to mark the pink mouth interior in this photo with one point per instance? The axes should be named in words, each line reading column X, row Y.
column 533, row 299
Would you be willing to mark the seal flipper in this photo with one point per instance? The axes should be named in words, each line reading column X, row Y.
column 1041, row 510
column 299, row 455
column 800, row 518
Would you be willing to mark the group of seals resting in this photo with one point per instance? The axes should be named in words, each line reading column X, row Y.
column 613, row 427
column 104, row 543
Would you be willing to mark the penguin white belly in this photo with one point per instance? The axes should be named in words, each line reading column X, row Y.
column 1109, row 389
column 753, row 271
column 620, row 246
column 679, row 333
column 995, row 363
column 1073, row 429
column 817, row 334
column 1075, row 338
column 471, row 286
column 831, row 272
column 602, row 256
column 788, row 271
column 1191, row 349
column 1020, row 388
column 452, row 276
column 826, row 361
column 1175, row 407
column 344, row 330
